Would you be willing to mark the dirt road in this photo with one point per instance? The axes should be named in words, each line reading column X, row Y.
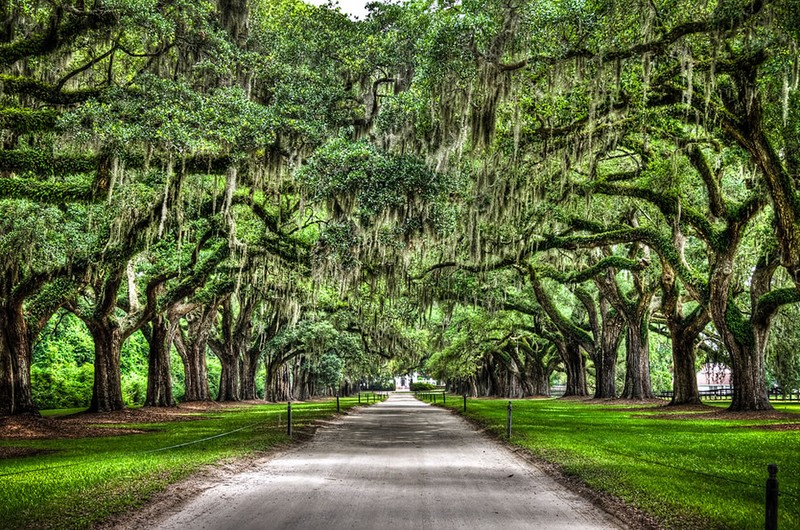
column 398, row 464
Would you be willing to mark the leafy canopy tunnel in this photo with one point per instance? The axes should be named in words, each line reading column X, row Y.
column 241, row 199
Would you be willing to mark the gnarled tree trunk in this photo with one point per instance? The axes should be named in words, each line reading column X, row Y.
column 159, row 373
column 279, row 383
column 192, row 349
column 16, row 396
column 684, row 372
column 249, row 369
column 107, row 389
column 575, row 365
column 229, row 380
column 605, row 358
column 745, row 345
column 637, row 361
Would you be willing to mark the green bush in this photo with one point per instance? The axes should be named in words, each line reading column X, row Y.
column 418, row 387
column 134, row 388
column 62, row 386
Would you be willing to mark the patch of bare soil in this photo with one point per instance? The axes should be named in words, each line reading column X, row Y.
column 21, row 452
column 704, row 412
column 36, row 428
column 93, row 424
column 775, row 427
column 650, row 402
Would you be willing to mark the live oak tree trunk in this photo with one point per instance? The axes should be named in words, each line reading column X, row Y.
column 107, row 388
column 575, row 365
column 636, row 312
column 109, row 332
column 195, row 371
column 605, row 358
column 538, row 370
column 607, row 325
column 745, row 346
column 748, row 372
column 231, row 347
column 637, row 361
column 568, row 341
column 229, row 380
column 108, row 337
column 159, row 374
column 16, row 396
column 540, row 383
column 684, row 332
column 684, row 371
column 279, row 383
column 21, row 321
column 192, row 348
column 537, row 376
column 300, row 379
column 249, row 369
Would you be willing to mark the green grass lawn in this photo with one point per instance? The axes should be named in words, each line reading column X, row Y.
column 83, row 481
column 688, row 473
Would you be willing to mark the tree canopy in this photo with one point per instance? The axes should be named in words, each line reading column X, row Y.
column 500, row 194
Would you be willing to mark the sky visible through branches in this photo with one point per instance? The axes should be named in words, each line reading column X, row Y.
column 354, row 8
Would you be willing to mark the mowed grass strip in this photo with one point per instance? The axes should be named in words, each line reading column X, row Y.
column 686, row 472
column 81, row 482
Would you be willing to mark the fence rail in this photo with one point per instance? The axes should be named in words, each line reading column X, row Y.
column 714, row 394
column 433, row 396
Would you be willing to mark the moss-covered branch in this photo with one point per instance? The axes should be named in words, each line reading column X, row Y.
column 197, row 278
column 63, row 28
column 580, row 276
column 44, row 164
column 668, row 203
column 738, row 325
column 46, row 192
column 564, row 325
column 502, row 263
column 728, row 20
column 25, row 121
column 45, row 92
column 716, row 201
column 770, row 302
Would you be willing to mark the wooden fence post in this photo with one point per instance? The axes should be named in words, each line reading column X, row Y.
column 771, row 519
column 508, row 423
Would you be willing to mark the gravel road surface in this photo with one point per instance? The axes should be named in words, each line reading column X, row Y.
column 398, row 464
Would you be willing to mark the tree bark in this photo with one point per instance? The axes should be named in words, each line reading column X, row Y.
column 16, row 395
column 575, row 365
column 605, row 358
column 684, row 372
column 279, row 383
column 684, row 332
column 107, row 389
column 249, row 369
column 748, row 370
column 232, row 346
column 229, row 381
column 636, row 313
column 159, row 373
column 570, row 342
column 637, row 361
column 192, row 348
